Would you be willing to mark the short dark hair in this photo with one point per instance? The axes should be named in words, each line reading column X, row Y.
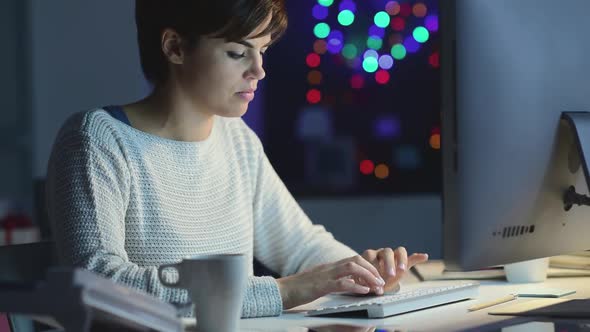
column 232, row 20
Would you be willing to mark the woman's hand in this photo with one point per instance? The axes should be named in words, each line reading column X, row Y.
column 335, row 277
column 392, row 265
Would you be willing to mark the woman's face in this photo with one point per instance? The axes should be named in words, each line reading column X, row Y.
column 221, row 78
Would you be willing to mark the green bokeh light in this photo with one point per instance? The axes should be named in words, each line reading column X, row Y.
column 321, row 30
column 349, row 51
column 374, row 43
column 326, row 3
column 421, row 34
column 398, row 51
column 370, row 64
column 346, row 17
column 382, row 19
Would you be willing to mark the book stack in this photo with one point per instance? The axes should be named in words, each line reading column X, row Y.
column 575, row 261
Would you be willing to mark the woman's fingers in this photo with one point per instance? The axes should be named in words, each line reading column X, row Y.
column 346, row 285
column 401, row 257
column 387, row 257
column 417, row 259
column 354, row 270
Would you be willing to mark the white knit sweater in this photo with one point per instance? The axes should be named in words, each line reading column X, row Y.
column 122, row 202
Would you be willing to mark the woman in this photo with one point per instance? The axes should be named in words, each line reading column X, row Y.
column 178, row 173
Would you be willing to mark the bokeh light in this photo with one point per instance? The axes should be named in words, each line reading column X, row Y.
column 313, row 60
column 367, row 167
column 382, row 76
column 321, row 30
column 398, row 24
column 314, row 96
column 411, row 45
column 370, row 64
column 347, row 5
column 374, row 43
column 419, row 10
column 345, row 17
column 387, row 127
column 357, row 81
column 398, row 51
column 407, row 157
column 405, row 9
column 431, row 23
column 326, row 3
column 386, row 61
column 376, row 31
column 434, row 60
column 335, row 41
column 314, row 77
column 370, row 54
column 349, row 51
column 319, row 12
column 382, row 171
column 421, row 34
column 435, row 141
column 392, row 8
column 320, row 46
column 381, row 19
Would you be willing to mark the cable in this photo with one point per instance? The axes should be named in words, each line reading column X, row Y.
column 571, row 198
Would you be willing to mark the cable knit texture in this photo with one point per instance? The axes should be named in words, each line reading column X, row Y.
column 123, row 202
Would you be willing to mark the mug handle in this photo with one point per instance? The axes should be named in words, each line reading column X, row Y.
column 163, row 280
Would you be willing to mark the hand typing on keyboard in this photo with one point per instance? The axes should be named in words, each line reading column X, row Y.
column 375, row 271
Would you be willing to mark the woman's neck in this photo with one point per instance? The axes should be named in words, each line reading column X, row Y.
column 168, row 113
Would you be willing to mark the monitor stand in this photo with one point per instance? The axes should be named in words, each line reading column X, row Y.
column 578, row 124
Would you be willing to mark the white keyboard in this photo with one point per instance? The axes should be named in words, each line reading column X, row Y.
column 402, row 302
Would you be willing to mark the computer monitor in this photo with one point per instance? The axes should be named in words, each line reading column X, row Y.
column 509, row 69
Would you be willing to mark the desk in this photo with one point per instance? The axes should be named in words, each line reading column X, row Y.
column 452, row 317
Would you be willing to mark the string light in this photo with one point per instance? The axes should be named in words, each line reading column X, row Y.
column 319, row 46
column 382, row 76
column 419, row 10
column 392, row 8
column 314, row 96
column 367, row 167
column 370, row 64
column 314, row 77
column 421, row 34
column 381, row 19
column 398, row 51
column 346, row 17
column 385, row 62
column 321, row 30
column 313, row 60
column 382, row 171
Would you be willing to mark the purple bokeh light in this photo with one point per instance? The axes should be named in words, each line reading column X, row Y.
column 431, row 23
column 376, row 31
column 387, row 127
column 370, row 53
column 347, row 4
column 335, row 41
column 411, row 45
column 319, row 12
column 386, row 61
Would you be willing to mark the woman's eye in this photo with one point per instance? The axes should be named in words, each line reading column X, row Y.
column 235, row 55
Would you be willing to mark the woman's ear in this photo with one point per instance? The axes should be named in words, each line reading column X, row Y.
column 172, row 46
